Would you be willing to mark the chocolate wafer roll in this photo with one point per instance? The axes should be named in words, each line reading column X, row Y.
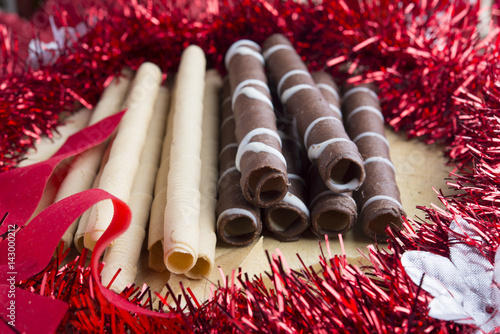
column 238, row 221
column 290, row 217
column 378, row 198
column 259, row 157
column 331, row 213
column 328, row 146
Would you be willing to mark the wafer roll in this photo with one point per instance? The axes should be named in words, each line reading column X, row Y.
column 157, row 214
column 86, row 165
column 84, row 219
column 331, row 213
column 290, row 217
column 182, row 213
column 238, row 221
column 125, row 252
column 378, row 198
column 208, row 183
column 118, row 174
column 327, row 144
column 259, row 157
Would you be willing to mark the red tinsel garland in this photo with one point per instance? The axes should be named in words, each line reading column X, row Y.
column 438, row 81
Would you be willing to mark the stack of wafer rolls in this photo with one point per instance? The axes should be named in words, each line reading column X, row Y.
column 289, row 218
column 259, row 157
column 331, row 213
column 378, row 198
column 238, row 221
column 328, row 146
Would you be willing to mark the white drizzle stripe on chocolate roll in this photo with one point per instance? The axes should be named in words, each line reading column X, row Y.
column 380, row 159
column 330, row 89
column 257, row 147
column 251, row 93
column 315, row 150
column 315, row 122
column 289, row 74
column 241, row 47
column 371, row 134
column 358, row 89
column 228, row 146
column 380, row 198
column 336, row 109
column 365, row 108
column 245, row 145
column 288, row 93
column 269, row 52
column 296, row 177
column 226, row 173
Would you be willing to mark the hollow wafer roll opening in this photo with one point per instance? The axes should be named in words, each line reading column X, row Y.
column 180, row 259
column 378, row 215
column 340, row 170
column 201, row 268
column 286, row 222
column 333, row 214
column 267, row 186
column 237, row 227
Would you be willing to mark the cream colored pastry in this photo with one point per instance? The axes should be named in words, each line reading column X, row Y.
column 119, row 173
column 209, row 176
column 84, row 168
column 124, row 253
column 84, row 219
column 182, row 213
column 157, row 214
column 48, row 146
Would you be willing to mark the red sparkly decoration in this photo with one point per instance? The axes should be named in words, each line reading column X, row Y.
column 438, row 81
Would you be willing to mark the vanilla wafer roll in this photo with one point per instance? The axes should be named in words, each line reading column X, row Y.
column 85, row 166
column 378, row 198
column 84, row 219
column 288, row 218
column 209, row 176
column 327, row 144
column 182, row 213
column 124, row 253
column 259, row 157
column 238, row 221
column 118, row 174
column 157, row 214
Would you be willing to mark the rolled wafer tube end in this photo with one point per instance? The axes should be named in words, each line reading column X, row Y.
column 333, row 214
column 285, row 222
column 378, row 215
column 180, row 259
column 202, row 268
column 265, row 187
column 341, row 172
column 238, row 227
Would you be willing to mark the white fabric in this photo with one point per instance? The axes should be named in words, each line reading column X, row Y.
column 466, row 286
